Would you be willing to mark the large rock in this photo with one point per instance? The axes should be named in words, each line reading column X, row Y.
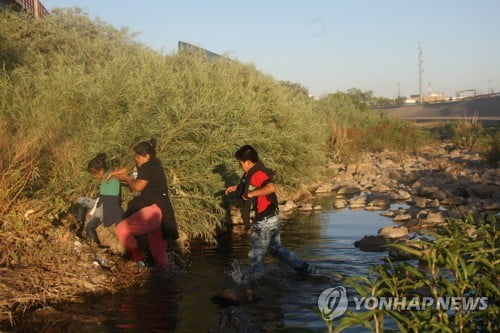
column 373, row 243
column 348, row 190
column 393, row 232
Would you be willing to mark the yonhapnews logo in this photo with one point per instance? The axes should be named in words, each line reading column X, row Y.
column 333, row 302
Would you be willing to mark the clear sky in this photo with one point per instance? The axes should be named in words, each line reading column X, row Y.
column 328, row 45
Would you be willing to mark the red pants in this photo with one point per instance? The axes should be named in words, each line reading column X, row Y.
column 146, row 221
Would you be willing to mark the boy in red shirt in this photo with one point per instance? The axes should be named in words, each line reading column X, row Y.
column 258, row 193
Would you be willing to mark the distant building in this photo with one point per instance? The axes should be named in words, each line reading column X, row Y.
column 186, row 47
column 435, row 97
column 34, row 7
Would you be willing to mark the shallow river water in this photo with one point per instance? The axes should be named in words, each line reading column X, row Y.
column 184, row 304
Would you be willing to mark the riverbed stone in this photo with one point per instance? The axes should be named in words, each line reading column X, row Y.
column 340, row 204
column 379, row 201
column 349, row 190
column 381, row 188
column 374, row 243
column 434, row 204
column 301, row 195
column 388, row 213
column 403, row 195
column 393, row 232
column 453, row 201
column 491, row 205
column 399, row 254
column 484, row 191
column 325, row 188
column 419, row 202
column 432, row 218
column 307, row 207
column 402, row 217
column 288, row 206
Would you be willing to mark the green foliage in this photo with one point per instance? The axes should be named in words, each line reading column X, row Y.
column 355, row 128
column 462, row 261
column 78, row 86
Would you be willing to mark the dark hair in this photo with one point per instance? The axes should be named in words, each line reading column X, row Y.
column 146, row 147
column 247, row 153
column 97, row 163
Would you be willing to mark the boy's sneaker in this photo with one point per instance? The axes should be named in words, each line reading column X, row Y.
column 306, row 268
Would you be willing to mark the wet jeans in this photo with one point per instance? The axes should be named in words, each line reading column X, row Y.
column 266, row 235
column 85, row 205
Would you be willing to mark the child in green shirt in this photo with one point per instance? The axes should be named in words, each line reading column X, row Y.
column 106, row 208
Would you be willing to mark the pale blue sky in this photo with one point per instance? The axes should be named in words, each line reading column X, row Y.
column 328, row 45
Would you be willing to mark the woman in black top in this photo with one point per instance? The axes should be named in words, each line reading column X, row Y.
column 150, row 212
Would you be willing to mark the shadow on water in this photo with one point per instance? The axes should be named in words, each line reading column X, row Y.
column 183, row 304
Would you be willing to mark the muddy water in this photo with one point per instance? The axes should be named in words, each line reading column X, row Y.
column 183, row 304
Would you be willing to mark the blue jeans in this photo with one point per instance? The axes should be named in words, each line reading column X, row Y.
column 266, row 235
column 85, row 205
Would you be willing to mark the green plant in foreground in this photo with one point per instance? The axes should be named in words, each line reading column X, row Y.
column 461, row 262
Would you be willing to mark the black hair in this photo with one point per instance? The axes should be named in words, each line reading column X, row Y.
column 247, row 153
column 97, row 163
column 146, row 147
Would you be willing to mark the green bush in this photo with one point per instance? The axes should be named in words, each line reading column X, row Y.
column 78, row 87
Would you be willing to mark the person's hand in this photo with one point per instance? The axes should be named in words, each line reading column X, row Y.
column 231, row 189
column 122, row 177
column 118, row 173
column 246, row 197
column 108, row 177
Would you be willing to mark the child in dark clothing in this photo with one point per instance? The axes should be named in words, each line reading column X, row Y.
column 257, row 189
column 107, row 206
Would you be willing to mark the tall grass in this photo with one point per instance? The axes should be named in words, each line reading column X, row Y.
column 78, row 86
column 356, row 129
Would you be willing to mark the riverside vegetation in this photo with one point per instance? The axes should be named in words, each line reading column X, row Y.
column 71, row 86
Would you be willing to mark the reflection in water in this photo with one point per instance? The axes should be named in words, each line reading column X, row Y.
column 183, row 304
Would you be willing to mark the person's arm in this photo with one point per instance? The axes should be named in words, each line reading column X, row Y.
column 116, row 172
column 134, row 184
column 231, row 189
column 268, row 189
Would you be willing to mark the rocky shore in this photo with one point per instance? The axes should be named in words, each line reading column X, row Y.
column 438, row 184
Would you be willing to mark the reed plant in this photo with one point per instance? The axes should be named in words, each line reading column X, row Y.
column 461, row 261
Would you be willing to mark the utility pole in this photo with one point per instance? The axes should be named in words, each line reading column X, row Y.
column 420, row 71
column 399, row 90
